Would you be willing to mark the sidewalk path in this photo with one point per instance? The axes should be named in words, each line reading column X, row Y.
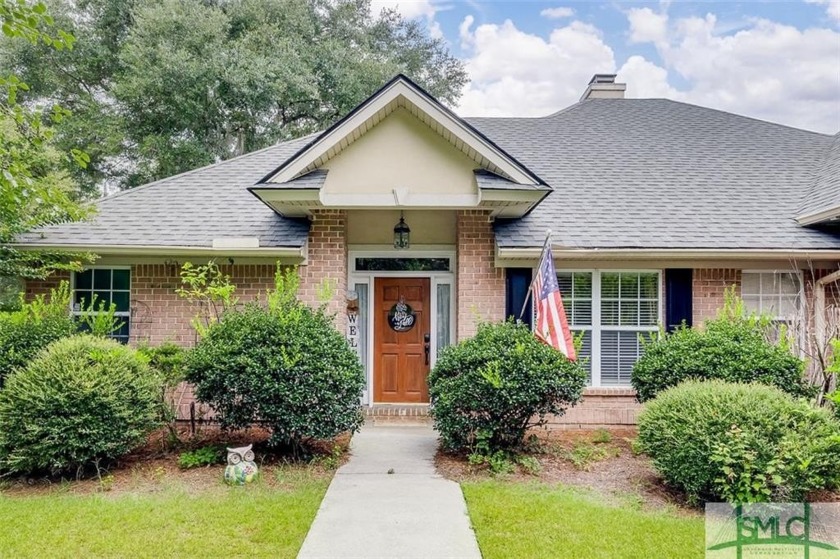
column 411, row 513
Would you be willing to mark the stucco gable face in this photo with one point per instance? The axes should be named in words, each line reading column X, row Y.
column 403, row 160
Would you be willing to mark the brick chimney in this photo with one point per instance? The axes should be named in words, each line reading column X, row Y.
column 603, row 86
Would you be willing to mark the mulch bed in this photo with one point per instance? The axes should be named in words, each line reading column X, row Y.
column 154, row 466
column 618, row 475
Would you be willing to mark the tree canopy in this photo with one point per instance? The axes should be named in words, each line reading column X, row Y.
column 157, row 87
column 35, row 188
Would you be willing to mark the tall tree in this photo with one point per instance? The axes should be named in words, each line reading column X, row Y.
column 162, row 86
column 34, row 188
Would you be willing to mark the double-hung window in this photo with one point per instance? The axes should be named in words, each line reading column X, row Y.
column 104, row 286
column 611, row 311
column 776, row 294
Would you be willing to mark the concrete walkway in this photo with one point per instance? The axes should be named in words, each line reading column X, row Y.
column 410, row 513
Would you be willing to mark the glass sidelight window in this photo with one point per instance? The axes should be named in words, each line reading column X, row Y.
column 444, row 311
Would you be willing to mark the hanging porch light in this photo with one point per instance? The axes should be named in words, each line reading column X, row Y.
column 402, row 234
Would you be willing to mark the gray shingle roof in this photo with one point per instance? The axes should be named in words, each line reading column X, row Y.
column 825, row 192
column 653, row 173
column 190, row 209
column 626, row 173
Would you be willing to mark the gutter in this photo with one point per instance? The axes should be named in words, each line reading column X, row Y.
column 665, row 253
column 157, row 250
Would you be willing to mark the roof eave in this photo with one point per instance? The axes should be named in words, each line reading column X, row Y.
column 560, row 252
column 821, row 216
column 288, row 252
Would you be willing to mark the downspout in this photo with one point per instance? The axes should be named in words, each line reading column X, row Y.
column 819, row 304
column 819, row 319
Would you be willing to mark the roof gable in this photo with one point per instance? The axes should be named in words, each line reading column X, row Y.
column 822, row 203
column 403, row 93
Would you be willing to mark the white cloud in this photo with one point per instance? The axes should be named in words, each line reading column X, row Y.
column 645, row 79
column 464, row 32
column 832, row 8
column 557, row 13
column 646, row 26
column 518, row 73
column 769, row 70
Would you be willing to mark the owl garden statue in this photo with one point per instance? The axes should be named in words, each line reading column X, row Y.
column 240, row 468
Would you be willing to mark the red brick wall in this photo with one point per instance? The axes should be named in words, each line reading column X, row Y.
column 481, row 285
column 43, row 287
column 159, row 314
column 709, row 285
column 601, row 407
column 326, row 260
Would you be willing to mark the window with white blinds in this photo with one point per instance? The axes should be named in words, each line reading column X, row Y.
column 612, row 310
column 778, row 294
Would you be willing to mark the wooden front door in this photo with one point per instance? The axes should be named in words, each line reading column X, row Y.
column 401, row 353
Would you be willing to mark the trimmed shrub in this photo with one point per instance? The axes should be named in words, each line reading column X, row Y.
column 740, row 442
column 733, row 350
column 24, row 332
column 286, row 367
column 81, row 402
column 489, row 390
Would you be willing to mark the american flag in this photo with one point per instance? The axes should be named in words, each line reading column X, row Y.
column 551, row 324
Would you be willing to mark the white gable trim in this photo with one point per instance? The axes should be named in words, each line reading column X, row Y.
column 402, row 93
column 832, row 212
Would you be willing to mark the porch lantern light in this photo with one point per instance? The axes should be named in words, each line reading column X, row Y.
column 401, row 234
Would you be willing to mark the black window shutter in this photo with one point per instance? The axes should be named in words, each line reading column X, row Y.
column 517, row 281
column 678, row 292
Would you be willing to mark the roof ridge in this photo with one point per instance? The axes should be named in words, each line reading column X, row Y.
column 193, row 171
column 746, row 117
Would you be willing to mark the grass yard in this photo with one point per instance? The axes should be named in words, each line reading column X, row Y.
column 537, row 520
column 267, row 519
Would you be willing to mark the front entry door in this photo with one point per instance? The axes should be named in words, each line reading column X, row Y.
column 401, row 340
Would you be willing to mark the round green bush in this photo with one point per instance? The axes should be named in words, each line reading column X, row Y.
column 24, row 333
column 291, row 370
column 81, row 402
column 740, row 442
column 489, row 390
column 730, row 350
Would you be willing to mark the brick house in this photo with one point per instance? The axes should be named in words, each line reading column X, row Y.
column 656, row 207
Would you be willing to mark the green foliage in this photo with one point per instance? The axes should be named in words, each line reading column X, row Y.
column 529, row 464
column 291, row 370
column 210, row 290
column 99, row 320
column 172, row 85
column 742, row 442
column 732, row 347
column 80, row 402
column 834, row 398
column 35, row 189
column 200, row 457
column 583, row 454
column 168, row 359
column 601, row 436
column 489, row 390
column 23, row 333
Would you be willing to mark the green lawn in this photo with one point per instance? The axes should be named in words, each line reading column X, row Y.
column 540, row 521
column 263, row 520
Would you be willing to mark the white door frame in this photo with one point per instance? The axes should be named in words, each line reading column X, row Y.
column 436, row 278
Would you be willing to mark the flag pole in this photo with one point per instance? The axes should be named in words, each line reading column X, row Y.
column 546, row 244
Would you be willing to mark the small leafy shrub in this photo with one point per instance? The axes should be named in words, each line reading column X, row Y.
column 81, row 401
column 200, row 457
column 489, row 390
column 167, row 359
column 732, row 347
column 529, row 465
column 285, row 366
column 36, row 324
column 583, row 454
column 498, row 462
column 834, row 398
column 740, row 442
column 601, row 436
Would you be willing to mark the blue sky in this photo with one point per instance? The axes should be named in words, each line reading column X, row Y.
column 778, row 61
